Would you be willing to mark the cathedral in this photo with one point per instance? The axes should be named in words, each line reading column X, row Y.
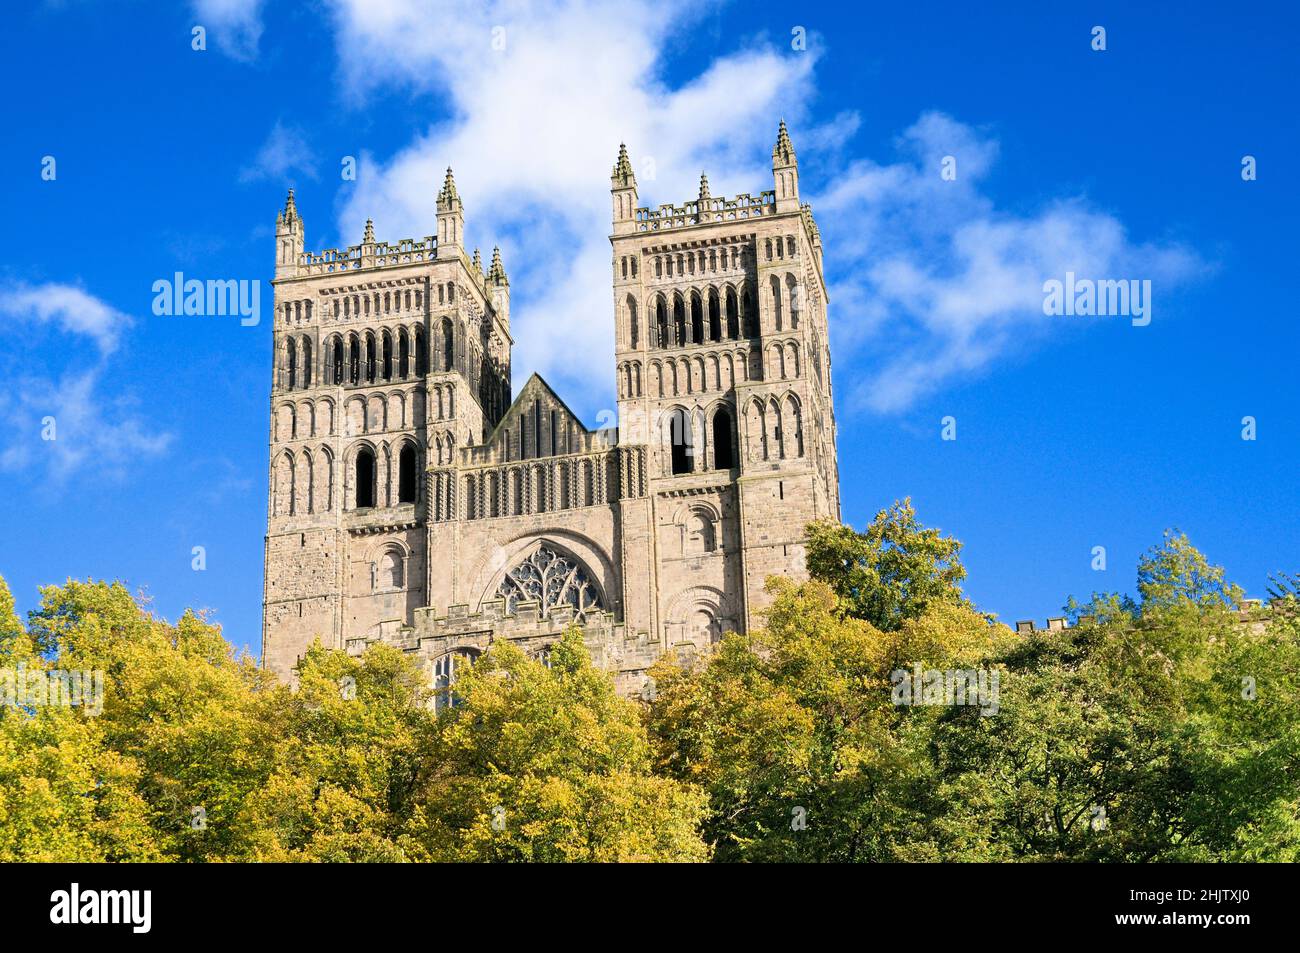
column 412, row 503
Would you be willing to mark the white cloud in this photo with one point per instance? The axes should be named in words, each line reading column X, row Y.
column 533, row 134
column 68, row 306
column 91, row 429
column 932, row 273
column 235, row 25
column 284, row 152
column 934, row 276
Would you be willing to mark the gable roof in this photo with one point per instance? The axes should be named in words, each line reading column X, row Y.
column 536, row 392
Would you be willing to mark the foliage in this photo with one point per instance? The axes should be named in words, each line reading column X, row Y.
column 199, row 755
column 792, row 732
column 549, row 764
column 889, row 573
column 1160, row 727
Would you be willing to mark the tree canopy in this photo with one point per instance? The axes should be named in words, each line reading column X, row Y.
column 875, row 715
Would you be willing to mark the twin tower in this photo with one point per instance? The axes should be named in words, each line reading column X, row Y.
column 413, row 503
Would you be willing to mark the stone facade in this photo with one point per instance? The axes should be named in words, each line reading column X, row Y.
column 411, row 502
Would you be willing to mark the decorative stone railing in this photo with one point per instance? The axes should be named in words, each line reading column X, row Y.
column 373, row 255
column 705, row 210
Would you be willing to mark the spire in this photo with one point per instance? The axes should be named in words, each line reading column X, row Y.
column 478, row 262
column 622, row 197
column 497, row 271
column 783, row 153
column 451, row 221
column 704, row 187
column 369, row 237
column 623, row 176
column 290, row 236
column 290, row 212
column 448, row 195
column 785, row 172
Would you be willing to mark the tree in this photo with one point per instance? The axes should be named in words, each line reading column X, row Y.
column 1165, row 734
column 65, row 794
column 178, row 705
column 1176, row 572
column 348, row 759
column 792, row 731
column 889, row 573
column 547, row 764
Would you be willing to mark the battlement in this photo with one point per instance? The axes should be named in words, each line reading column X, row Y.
column 1027, row 626
column 372, row 255
column 613, row 646
column 703, row 211
column 1250, row 610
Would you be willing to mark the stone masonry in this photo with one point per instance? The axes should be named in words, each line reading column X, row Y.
column 412, row 503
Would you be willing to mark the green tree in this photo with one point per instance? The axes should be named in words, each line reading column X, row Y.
column 65, row 794
column 548, row 764
column 889, row 573
column 179, row 705
column 1168, row 734
column 348, row 759
column 792, row 731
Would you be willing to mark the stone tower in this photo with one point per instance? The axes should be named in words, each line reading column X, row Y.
column 413, row 503
column 724, row 373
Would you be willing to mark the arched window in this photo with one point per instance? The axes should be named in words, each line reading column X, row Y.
column 354, row 360
column 445, row 671
column 793, row 426
column 679, row 321
column 723, row 457
column 631, row 320
column 306, row 360
column 448, row 345
column 661, row 323
column 406, row 475
column 733, row 323
column 388, row 356
column 403, row 354
column 338, row 361
column 370, row 357
column 697, row 319
column 715, row 316
column 700, row 535
column 365, row 479
column 420, row 353
column 749, row 315
column 291, row 351
column 550, row 579
column 680, row 436
column 391, row 573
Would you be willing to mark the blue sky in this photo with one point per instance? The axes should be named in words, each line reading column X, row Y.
column 1072, row 432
